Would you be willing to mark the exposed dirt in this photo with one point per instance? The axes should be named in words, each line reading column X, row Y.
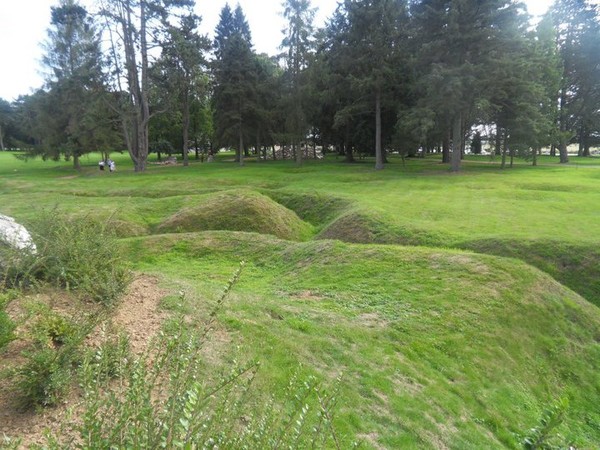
column 138, row 315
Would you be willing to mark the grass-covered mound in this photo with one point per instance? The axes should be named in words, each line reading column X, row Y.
column 314, row 207
column 575, row 266
column 238, row 211
column 436, row 348
column 367, row 227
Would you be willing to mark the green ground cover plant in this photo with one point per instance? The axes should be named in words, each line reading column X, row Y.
column 411, row 286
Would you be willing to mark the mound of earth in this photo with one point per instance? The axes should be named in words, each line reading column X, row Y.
column 355, row 227
column 314, row 207
column 368, row 227
column 577, row 266
column 239, row 211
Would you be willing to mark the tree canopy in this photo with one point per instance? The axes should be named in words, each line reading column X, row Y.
column 382, row 76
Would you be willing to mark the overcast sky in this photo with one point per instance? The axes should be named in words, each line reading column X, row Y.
column 23, row 25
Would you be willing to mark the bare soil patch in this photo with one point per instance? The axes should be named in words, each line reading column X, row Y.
column 138, row 315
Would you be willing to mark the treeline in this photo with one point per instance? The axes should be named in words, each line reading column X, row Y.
column 382, row 76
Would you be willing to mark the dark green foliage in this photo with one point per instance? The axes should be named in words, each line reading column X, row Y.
column 69, row 122
column 298, row 45
column 44, row 379
column 6, row 123
column 235, row 84
column 366, row 59
column 476, row 144
column 461, row 47
column 578, row 34
column 180, row 72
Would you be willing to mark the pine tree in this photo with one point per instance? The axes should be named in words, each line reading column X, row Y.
column 578, row 41
column 369, row 46
column 235, row 82
column 181, row 68
column 460, row 43
column 298, row 45
column 74, row 82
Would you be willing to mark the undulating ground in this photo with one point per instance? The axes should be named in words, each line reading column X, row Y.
column 454, row 309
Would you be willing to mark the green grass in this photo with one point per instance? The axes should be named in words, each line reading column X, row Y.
column 437, row 346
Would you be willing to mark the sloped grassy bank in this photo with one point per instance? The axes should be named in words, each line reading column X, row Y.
column 436, row 348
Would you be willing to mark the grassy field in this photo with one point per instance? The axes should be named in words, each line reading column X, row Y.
column 456, row 308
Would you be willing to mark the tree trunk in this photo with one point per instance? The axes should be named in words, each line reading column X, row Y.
column 503, row 148
column 349, row 156
column 446, row 148
column 1, row 139
column 186, row 129
column 585, row 144
column 258, row 152
column 456, row 143
column 144, row 107
column 498, row 141
column 76, row 161
column 135, row 120
column 378, row 152
column 535, row 155
column 298, row 154
column 241, row 145
column 562, row 150
column 562, row 147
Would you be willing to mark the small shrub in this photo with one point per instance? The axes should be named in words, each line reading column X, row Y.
column 110, row 359
column 44, row 378
column 80, row 254
column 51, row 362
column 52, row 329
column 17, row 267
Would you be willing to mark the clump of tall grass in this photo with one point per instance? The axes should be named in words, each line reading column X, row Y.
column 79, row 254
column 7, row 325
